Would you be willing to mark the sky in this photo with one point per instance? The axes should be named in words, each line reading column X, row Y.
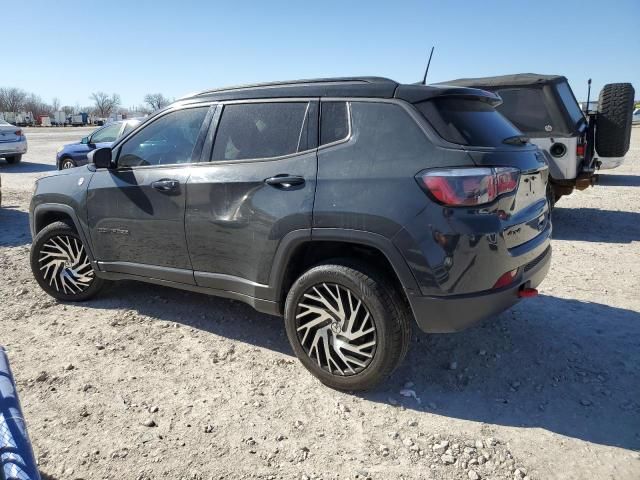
column 68, row 49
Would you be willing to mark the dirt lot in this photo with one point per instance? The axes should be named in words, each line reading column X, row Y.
column 146, row 382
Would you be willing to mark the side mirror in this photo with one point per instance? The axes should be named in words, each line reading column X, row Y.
column 101, row 157
column 84, row 140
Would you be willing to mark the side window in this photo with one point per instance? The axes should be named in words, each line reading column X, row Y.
column 261, row 130
column 334, row 122
column 106, row 134
column 129, row 126
column 170, row 139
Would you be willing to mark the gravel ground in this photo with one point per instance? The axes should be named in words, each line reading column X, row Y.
column 147, row 382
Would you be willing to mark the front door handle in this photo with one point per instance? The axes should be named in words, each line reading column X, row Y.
column 284, row 181
column 166, row 185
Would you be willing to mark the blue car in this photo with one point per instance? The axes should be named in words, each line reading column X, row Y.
column 75, row 154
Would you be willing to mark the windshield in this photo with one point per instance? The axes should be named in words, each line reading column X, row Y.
column 467, row 122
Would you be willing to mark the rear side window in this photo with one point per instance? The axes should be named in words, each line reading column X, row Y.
column 334, row 122
column 467, row 122
column 261, row 130
column 106, row 134
column 527, row 109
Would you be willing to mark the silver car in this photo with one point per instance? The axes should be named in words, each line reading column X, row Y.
column 13, row 143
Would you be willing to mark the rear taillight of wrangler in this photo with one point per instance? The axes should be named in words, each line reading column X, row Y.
column 580, row 149
column 460, row 187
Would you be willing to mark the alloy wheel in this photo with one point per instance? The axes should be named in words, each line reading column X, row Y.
column 336, row 329
column 67, row 164
column 65, row 265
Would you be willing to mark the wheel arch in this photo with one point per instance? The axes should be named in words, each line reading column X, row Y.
column 48, row 213
column 300, row 251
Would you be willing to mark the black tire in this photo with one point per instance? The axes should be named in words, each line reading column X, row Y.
column 613, row 125
column 551, row 197
column 388, row 312
column 65, row 161
column 71, row 281
column 14, row 159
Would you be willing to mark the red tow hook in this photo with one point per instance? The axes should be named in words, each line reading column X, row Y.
column 527, row 292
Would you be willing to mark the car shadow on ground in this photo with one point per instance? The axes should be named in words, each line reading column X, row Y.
column 14, row 227
column 25, row 167
column 562, row 365
column 611, row 180
column 595, row 225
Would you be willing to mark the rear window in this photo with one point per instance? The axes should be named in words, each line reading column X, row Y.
column 570, row 102
column 334, row 125
column 526, row 108
column 467, row 122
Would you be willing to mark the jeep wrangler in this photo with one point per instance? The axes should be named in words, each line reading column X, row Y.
column 576, row 144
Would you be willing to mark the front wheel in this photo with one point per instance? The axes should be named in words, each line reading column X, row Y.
column 61, row 266
column 67, row 163
column 348, row 326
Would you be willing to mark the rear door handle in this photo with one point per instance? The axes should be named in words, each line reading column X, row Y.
column 166, row 184
column 284, row 181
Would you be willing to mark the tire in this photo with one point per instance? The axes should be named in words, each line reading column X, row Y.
column 613, row 123
column 551, row 197
column 381, row 318
column 14, row 159
column 60, row 264
column 67, row 163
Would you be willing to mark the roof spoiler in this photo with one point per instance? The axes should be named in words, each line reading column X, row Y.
column 420, row 93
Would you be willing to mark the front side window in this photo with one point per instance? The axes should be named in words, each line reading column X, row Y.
column 467, row 122
column 260, row 130
column 334, row 122
column 168, row 140
column 106, row 134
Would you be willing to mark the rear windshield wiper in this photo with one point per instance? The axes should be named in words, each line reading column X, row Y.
column 516, row 140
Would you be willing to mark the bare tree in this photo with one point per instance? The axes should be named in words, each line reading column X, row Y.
column 105, row 104
column 156, row 101
column 55, row 104
column 12, row 99
column 67, row 109
column 34, row 104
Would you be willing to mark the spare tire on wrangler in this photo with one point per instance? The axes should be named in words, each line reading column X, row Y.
column 613, row 124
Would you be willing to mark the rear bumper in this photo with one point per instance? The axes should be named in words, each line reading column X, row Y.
column 458, row 312
column 13, row 148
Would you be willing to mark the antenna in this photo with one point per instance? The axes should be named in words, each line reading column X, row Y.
column 588, row 95
column 424, row 80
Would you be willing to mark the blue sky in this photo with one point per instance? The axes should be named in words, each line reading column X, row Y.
column 70, row 48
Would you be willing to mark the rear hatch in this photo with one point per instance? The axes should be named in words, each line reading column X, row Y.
column 9, row 133
column 493, row 142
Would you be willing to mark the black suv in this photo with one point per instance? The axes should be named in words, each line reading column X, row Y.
column 348, row 205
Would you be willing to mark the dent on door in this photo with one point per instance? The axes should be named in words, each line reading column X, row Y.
column 235, row 219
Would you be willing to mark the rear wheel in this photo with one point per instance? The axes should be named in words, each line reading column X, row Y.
column 613, row 124
column 348, row 326
column 61, row 266
column 14, row 159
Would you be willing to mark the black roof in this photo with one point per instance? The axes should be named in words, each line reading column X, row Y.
column 516, row 80
column 371, row 87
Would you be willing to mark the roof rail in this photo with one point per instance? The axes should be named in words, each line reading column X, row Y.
column 310, row 81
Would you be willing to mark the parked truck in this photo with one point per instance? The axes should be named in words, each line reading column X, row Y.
column 79, row 119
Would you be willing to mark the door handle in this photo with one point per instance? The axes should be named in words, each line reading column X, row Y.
column 284, row 181
column 165, row 185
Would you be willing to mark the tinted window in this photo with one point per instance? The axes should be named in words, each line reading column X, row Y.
column 334, row 122
column 170, row 139
column 570, row 102
column 260, row 130
column 106, row 134
column 467, row 122
column 526, row 108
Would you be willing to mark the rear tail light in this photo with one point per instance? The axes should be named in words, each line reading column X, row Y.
column 458, row 187
column 580, row 149
column 18, row 133
column 506, row 279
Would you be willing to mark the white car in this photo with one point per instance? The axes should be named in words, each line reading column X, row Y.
column 636, row 116
column 13, row 143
